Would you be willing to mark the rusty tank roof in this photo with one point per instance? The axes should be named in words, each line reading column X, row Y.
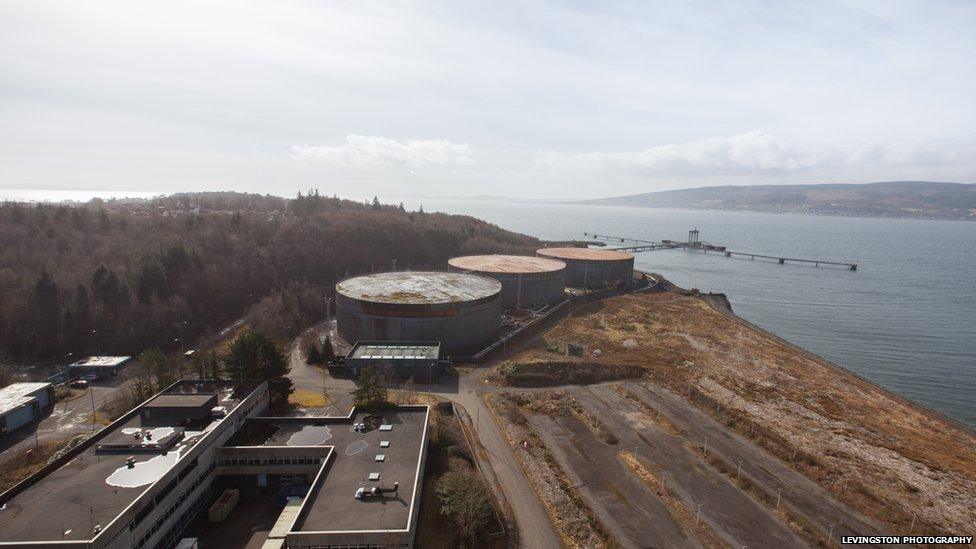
column 506, row 264
column 590, row 254
column 419, row 287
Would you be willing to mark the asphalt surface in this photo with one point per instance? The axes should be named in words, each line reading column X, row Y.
column 773, row 476
column 533, row 523
column 626, row 507
column 318, row 380
column 64, row 420
column 729, row 511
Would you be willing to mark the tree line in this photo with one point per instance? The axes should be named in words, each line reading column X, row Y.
column 117, row 277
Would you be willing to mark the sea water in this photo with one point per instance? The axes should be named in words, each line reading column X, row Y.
column 906, row 319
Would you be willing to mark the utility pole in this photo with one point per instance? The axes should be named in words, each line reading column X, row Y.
column 181, row 324
column 91, row 391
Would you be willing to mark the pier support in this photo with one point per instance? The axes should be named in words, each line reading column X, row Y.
column 694, row 243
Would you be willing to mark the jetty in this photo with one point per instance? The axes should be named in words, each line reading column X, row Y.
column 693, row 243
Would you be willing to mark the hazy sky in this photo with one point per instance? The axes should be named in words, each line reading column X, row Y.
column 524, row 99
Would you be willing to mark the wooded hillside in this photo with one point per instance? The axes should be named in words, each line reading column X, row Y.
column 119, row 277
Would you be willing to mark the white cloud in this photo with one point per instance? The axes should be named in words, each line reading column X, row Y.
column 841, row 93
column 757, row 154
column 366, row 151
column 753, row 152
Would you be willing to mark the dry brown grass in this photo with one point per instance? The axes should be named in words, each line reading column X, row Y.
column 27, row 463
column 901, row 458
column 304, row 398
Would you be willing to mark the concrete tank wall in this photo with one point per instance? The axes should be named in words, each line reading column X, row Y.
column 593, row 272
column 520, row 288
column 459, row 324
column 527, row 290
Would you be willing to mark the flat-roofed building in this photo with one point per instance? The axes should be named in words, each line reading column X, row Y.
column 23, row 403
column 350, row 480
column 362, row 474
column 98, row 366
column 419, row 360
column 135, row 483
column 170, row 407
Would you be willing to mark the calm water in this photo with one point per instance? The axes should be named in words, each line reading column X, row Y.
column 906, row 319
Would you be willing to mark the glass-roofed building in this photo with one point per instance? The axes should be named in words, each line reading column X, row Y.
column 420, row 360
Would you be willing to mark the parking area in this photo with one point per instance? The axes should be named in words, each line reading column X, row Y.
column 616, row 455
column 66, row 419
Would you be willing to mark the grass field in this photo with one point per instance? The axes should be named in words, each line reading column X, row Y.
column 307, row 399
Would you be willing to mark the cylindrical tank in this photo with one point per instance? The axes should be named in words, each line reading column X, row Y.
column 526, row 281
column 462, row 311
column 592, row 268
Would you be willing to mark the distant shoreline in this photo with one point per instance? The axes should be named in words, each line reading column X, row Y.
column 776, row 212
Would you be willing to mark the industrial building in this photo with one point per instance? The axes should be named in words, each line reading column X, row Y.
column 98, row 367
column 353, row 480
column 592, row 268
column 527, row 282
column 461, row 311
column 417, row 360
column 22, row 404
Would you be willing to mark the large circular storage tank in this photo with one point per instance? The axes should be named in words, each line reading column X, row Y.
column 592, row 268
column 462, row 311
column 526, row 281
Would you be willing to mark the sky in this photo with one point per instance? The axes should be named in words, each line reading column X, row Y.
column 534, row 100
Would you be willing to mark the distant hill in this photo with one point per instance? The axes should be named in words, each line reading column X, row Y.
column 914, row 199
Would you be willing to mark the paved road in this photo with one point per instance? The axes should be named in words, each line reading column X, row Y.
column 311, row 378
column 533, row 523
column 66, row 420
